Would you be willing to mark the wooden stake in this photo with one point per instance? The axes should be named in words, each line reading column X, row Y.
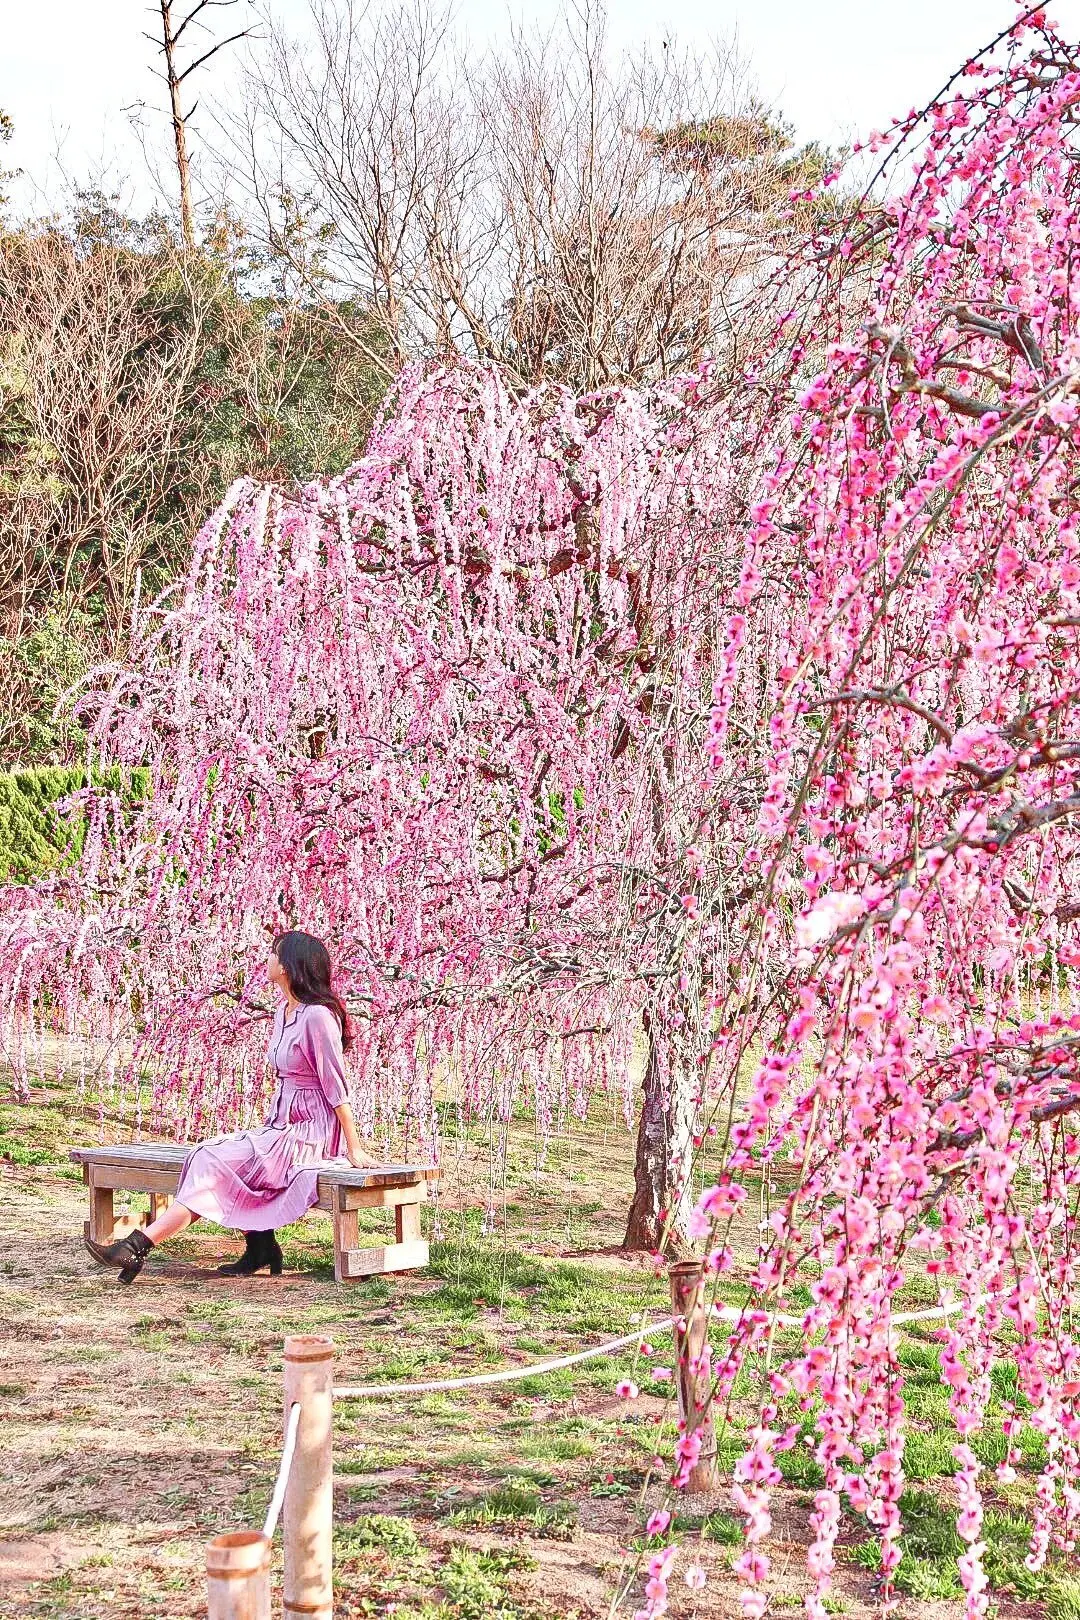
column 308, row 1520
column 238, row 1577
column 692, row 1369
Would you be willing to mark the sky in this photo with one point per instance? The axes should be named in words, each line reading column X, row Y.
column 73, row 72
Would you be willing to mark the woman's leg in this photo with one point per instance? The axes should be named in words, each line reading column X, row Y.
column 169, row 1225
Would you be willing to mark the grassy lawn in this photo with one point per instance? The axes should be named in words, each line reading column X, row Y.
column 141, row 1422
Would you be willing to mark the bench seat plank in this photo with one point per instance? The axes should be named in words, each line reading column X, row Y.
column 167, row 1155
column 144, row 1179
column 135, row 1154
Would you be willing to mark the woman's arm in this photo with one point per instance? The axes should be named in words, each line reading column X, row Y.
column 323, row 1039
column 356, row 1155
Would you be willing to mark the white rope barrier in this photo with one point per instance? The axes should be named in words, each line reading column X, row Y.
column 938, row 1310
column 274, row 1510
column 538, row 1369
column 735, row 1313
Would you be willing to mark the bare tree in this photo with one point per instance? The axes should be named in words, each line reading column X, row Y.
column 97, row 368
column 550, row 208
column 347, row 138
column 175, row 77
column 137, row 381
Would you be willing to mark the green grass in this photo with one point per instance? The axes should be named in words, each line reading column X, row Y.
column 931, row 1546
column 929, row 1456
column 476, row 1586
column 16, row 1152
column 395, row 1536
column 385, row 1556
column 799, row 1467
column 723, row 1528
column 555, row 1446
column 1063, row 1599
column 514, row 1506
column 921, row 1361
column 1007, row 1537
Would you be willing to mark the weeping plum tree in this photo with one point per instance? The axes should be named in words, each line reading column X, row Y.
column 906, row 999
column 448, row 710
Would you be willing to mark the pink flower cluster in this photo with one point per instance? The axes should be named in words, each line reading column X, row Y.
column 373, row 709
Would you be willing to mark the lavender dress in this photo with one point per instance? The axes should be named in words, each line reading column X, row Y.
column 256, row 1180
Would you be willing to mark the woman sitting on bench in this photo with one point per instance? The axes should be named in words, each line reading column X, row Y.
column 261, row 1179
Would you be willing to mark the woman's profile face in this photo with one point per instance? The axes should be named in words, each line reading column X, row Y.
column 276, row 974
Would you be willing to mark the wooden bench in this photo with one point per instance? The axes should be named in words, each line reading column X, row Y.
column 154, row 1168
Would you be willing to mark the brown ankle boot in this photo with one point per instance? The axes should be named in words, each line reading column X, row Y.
column 127, row 1256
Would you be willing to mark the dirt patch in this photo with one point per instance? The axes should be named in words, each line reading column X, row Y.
column 614, row 1255
column 35, row 1558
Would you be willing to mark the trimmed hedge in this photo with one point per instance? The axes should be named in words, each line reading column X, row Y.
column 34, row 839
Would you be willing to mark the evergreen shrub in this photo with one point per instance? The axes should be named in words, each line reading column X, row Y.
column 35, row 838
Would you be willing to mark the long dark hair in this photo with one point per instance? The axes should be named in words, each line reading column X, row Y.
column 306, row 962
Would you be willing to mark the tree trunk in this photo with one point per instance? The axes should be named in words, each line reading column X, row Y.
column 663, row 1165
column 187, row 213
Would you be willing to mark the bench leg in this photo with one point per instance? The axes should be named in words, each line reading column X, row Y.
column 346, row 1237
column 407, row 1223
column 352, row 1263
column 105, row 1225
column 360, row 1263
column 102, row 1214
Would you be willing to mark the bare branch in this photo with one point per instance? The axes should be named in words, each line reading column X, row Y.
column 913, row 383
column 245, row 33
column 895, row 698
column 543, row 208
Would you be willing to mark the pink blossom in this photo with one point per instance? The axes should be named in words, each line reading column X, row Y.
column 751, row 1565
column 834, row 910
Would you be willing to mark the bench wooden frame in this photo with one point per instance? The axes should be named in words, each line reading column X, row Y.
column 154, row 1168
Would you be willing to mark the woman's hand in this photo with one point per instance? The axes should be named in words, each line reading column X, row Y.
column 360, row 1160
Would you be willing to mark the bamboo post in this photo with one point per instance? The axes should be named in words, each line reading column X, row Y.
column 238, row 1577
column 308, row 1519
column 692, row 1368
